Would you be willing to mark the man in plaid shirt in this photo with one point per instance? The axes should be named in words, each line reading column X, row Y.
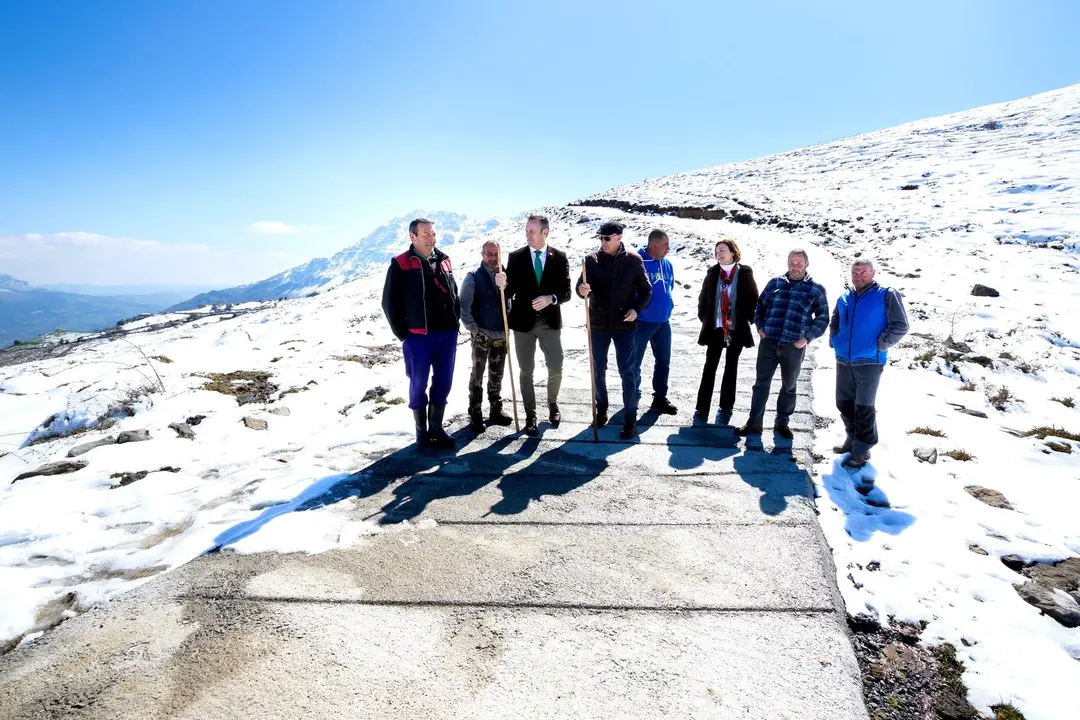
column 791, row 312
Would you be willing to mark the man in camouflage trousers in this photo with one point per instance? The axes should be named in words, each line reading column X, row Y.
column 482, row 315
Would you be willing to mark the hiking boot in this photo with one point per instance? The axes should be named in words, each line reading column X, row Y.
column 842, row 449
column 629, row 428
column 601, row 417
column 748, row 429
column 784, row 431
column 724, row 418
column 555, row 416
column 531, row 428
column 855, row 462
column 438, row 437
column 662, row 406
column 700, row 418
column 476, row 420
column 498, row 417
column 420, row 417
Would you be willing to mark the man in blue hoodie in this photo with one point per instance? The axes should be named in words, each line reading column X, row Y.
column 867, row 321
column 654, row 323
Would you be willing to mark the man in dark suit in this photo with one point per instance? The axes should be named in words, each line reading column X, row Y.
column 537, row 283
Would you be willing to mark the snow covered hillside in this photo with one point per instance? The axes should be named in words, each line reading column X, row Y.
column 989, row 383
column 351, row 263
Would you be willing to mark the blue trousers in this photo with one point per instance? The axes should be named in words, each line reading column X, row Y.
column 430, row 356
column 625, row 357
column 659, row 336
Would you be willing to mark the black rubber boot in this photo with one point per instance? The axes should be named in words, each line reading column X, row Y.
column 439, row 438
column 476, row 420
column 420, row 416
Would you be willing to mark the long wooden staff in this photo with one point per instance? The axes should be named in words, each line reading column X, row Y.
column 592, row 369
column 509, row 358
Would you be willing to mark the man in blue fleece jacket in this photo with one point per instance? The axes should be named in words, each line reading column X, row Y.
column 654, row 322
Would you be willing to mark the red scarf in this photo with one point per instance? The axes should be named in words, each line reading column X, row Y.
column 724, row 283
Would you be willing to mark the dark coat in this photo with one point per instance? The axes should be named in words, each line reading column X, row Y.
column 522, row 288
column 403, row 298
column 618, row 284
column 746, row 297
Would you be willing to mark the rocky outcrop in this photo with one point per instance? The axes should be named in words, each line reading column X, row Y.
column 61, row 467
column 87, row 447
column 254, row 423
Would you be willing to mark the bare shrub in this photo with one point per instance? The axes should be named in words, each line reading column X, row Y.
column 923, row 430
column 1000, row 396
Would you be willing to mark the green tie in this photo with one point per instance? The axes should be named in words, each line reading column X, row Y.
column 538, row 266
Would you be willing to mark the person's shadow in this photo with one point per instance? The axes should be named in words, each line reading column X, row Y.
column 692, row 447
column 774, row 473
column 559, row 471
column 867, row 514
column 431, row 475
column 486, row 465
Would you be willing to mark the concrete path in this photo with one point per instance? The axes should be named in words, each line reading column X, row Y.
column 679, row 575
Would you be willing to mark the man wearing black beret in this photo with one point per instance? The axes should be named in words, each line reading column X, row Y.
column 618, row 290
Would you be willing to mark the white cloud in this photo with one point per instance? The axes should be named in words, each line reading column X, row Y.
column 274, row 227
column 91, row 259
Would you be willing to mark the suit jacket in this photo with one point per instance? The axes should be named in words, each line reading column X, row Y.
column 746, row 297
column 522, row 288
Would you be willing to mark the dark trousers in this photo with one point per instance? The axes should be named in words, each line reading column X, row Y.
column 713, row 351
column 772, row 353
column 488, row 354
column 625, row 356
column 658, row 335
column 430, row 356
column 856, row 393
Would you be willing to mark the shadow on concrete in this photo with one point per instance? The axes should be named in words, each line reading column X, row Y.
column 574, row 463
column 375, row 478
column 686, row 456
column 776, row 485
column 867, row 514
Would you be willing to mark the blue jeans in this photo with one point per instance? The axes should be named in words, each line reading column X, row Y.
column 659, row 336
column 625, row 357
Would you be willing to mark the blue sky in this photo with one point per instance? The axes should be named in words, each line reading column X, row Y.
column 155, row 135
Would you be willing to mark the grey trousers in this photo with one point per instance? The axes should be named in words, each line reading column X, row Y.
column 856, row 393
column 525, row 350
column 770, row 354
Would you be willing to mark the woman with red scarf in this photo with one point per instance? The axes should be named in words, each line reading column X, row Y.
column 726, row 307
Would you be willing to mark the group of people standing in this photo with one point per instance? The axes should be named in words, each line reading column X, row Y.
column 630, row 301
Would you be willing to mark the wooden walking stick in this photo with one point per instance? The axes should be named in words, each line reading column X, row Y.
column 509, row 359
column 592, row 369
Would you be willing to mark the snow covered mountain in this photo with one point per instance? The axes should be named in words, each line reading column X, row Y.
column 12, row 284
column 349, row 264
column 987, row 384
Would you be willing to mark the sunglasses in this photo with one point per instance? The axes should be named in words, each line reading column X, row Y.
column 605, row 238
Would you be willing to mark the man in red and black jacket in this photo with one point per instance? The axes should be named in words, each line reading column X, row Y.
column 420, row 301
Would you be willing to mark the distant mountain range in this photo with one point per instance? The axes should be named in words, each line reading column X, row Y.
column 27, row 311
column 353, row 262
column 180, row 292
